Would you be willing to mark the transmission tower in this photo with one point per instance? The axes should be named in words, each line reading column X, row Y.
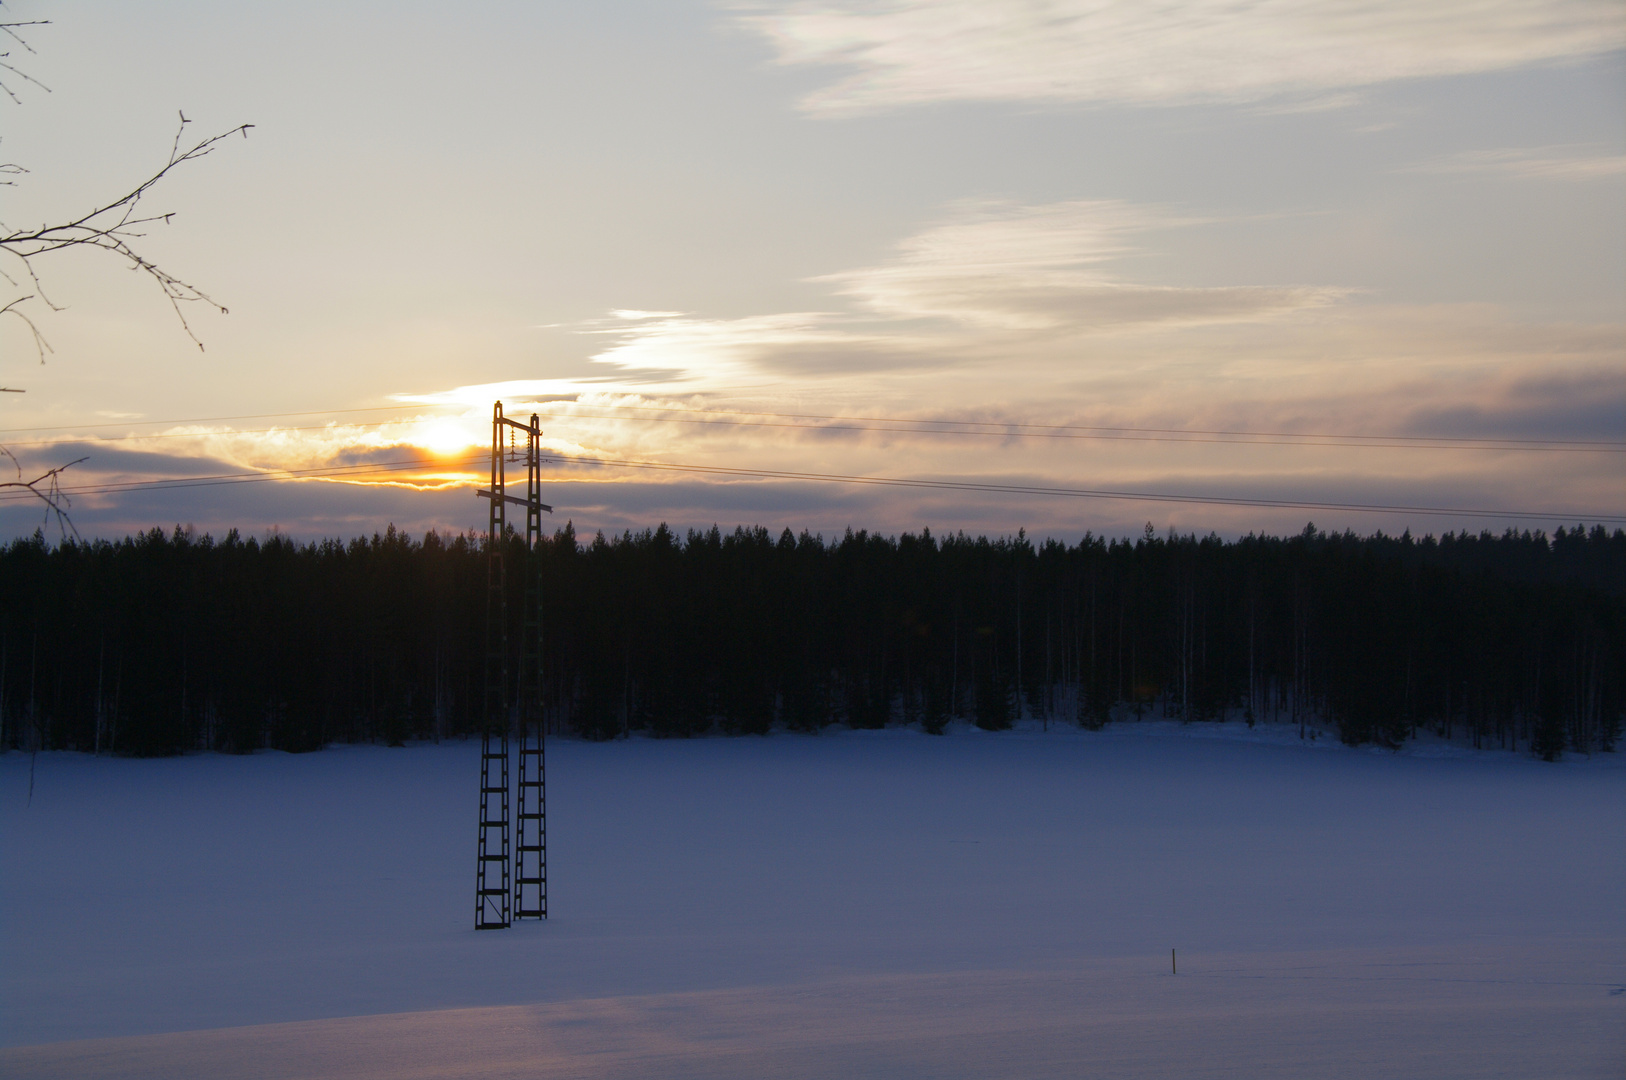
column 501, row 893
column 531, row 873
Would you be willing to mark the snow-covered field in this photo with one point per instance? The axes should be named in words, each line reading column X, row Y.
column 854, row 904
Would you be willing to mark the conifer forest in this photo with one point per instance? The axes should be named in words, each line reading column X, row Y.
column 164, row 643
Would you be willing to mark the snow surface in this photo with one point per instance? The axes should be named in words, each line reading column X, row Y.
column 851, row 904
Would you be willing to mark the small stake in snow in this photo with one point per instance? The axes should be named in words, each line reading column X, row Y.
column 1172, row 969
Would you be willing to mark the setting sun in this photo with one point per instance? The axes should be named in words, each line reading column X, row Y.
column 443, row 436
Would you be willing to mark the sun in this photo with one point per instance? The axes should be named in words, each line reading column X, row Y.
column 444, row 437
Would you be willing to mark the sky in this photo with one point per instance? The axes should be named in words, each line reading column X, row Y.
column 1061, row 265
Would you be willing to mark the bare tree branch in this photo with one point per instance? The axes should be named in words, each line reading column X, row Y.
column 10, row 30
column 113, row 226
column 40, row 344
column 51, row 494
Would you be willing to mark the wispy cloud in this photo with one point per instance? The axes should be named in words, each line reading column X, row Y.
column 481, row 394
column 1584, row 403
column 689, row 347
column 1569, row 163
column 1366, row 369
column 1012, row 267
column 995, row 312
column 1131, row 51
column 984, row 279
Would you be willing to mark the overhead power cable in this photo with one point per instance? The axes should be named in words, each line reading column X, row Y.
column 208, row 419
column 1005, row 427
column 359, row 473
column 905, row 425
column 215, row 434
column 1092, row 493
column 1168, row 435
column 355, row 473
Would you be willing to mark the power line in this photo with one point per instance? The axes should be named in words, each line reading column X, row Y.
column 974, row 428
column 182, row 482
column 356, row 472
column 1091, row 493
column 1372, row 442
column 1443, row 440
column 210, row 419
column 214, row 434
column 861, row 427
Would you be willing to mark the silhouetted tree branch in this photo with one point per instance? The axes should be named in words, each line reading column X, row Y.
column 9, row 29
column 112, row 227
column 47, row 489
column 40, row 344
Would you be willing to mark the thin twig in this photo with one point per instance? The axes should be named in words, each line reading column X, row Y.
column 41, row 346
column 55, row 499
column 10, row 30
column 114, row 225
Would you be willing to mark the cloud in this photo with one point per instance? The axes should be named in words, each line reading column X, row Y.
column 1582, row 404
column 987, row 278
column 107, row 468
column 1158, row 53
column 482, row 394
column 1360, row 369
column 1014, row 267
column 1568, row 163
column 688, row 346
column 104, row 461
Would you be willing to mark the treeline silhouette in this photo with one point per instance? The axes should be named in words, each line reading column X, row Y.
column 163, row 643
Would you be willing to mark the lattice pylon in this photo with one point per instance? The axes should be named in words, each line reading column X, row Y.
column 504, row 890
column 493, row 878
column 531, row 848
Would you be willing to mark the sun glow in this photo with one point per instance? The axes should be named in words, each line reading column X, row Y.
column 443, row 437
